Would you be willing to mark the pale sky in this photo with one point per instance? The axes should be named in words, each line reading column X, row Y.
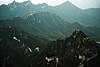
column 84, row 4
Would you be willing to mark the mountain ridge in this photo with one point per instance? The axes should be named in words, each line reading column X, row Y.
column 18, row 47
column 45, row 36
column 85, row 17
column 48, row 25
column 71, row 51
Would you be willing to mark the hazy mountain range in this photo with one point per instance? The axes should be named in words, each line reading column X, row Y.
column 52, row 21
column 66, row 11
column 47, row 25
column 41, row 35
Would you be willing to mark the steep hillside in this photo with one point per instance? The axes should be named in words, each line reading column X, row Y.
column 43, row 24
column 78, row 50
column 18, row 47
column 48, row 25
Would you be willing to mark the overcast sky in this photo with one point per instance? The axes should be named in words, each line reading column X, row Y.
column 80, row 3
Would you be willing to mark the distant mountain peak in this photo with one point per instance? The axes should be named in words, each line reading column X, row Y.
column 14, row 2
column 44, row 3
column 78, row 31
column 67, row 2
column 78, row 35
column 29, row 1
